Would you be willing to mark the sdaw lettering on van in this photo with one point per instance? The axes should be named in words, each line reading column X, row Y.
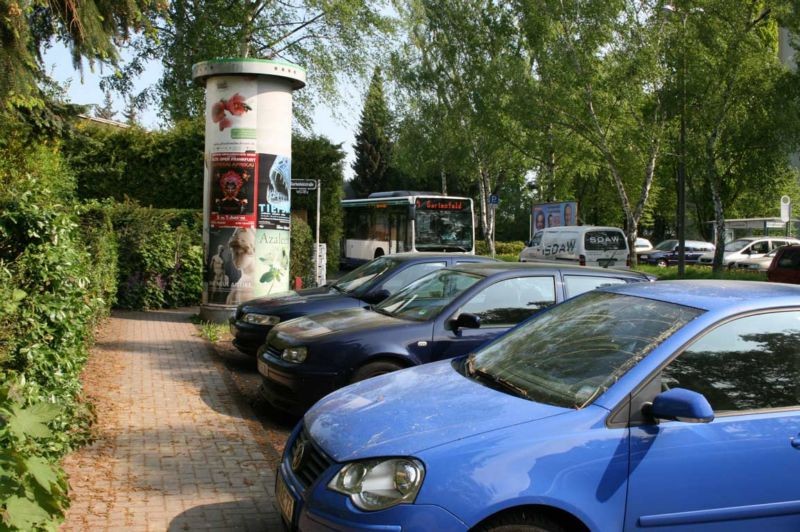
column 587, row 245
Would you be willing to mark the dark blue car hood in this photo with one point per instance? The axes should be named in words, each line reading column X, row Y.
column 405, row 412
column 308, row 301
column 329, row 326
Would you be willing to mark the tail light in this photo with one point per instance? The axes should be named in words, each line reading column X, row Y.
column 582, row 260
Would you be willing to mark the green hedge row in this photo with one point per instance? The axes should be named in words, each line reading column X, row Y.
column 57, row 280
column 501, row 248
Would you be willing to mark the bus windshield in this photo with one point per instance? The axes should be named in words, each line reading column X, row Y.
column 443, row 225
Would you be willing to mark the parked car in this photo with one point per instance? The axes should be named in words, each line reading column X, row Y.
column 749, row 247
column 586, row 245
column 368, row 284
column 445, row 314
column 642, row 244
column 666, row 252
column 664, row 406
column 785, row 266
column 760, row 264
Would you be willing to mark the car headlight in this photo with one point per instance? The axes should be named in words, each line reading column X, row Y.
column 295, row 355
column 379, row 484
column 261, row 319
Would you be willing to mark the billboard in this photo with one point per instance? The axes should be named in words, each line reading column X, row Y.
column 553, row 215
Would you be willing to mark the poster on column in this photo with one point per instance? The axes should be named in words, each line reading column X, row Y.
column 233, row 177
column 272, row 262
column 231, row 267
column 274, row 189
column 231, row 114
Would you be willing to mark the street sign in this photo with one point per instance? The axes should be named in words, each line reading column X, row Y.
column 786, row 208
column 494, row 199
column 304, row 184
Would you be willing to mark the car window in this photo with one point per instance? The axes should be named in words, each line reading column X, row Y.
column 537, row 239
column 578, row 284
column 790, row 259
column 426, row 297
column 760, row 247
column 778, row 243
column 749, row 363
column 511, row 301
column 411, row 274
column 356, row 281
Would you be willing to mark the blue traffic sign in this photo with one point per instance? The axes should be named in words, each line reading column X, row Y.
column 494, row 199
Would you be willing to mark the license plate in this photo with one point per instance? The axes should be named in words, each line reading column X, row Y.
column 263, row 368
column 285, row 500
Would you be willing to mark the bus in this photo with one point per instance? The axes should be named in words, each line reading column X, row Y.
column 401, row 221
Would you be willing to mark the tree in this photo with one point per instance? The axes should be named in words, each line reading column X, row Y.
column 105, row 111
column 333, row 39
column 373, row 147
column 91, row 28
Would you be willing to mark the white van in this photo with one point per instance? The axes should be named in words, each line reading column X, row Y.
column 587, row 245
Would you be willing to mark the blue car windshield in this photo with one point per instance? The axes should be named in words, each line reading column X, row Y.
column 667, row 245
column 425, row 298
column 573, row 353
column 357, row 281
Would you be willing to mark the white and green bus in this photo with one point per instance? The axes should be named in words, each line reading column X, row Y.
column 403, row 221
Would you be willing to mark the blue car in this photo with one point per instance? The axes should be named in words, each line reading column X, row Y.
column 368, row 284
column 443, row 315
column 649, row 406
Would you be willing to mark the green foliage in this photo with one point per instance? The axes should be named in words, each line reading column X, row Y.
column 316, row 158
column 57, row 279
column 302, row 252
column 701, row 272
column 501, row 248
column 161, row 169
column 160, row 256
column 334, row 39
column 373, row 147
column 213, row 332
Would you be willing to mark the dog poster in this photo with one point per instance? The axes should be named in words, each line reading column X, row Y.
column 233, row 177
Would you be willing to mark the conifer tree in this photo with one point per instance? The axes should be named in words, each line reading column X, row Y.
column 373, row 146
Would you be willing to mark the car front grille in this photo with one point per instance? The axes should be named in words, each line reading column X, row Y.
column 313, row 463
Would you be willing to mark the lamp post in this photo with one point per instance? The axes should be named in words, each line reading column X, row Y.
column 680, row 223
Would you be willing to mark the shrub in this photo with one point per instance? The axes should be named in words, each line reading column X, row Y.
column 302, row 252
column 501, row 248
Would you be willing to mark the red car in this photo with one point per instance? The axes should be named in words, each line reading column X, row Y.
column 785, row 267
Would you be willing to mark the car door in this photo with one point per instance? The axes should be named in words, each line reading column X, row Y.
column 500, row 305
column 740, row 471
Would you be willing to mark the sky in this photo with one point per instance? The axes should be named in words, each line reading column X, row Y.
column 58, row 63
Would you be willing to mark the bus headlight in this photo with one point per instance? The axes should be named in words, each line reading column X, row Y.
column 295, row 355
column 261, row 319
column 379, row 484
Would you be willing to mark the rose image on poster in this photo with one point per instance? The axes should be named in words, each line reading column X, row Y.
column 235, row 106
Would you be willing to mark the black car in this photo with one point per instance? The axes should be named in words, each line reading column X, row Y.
column 445, row 314
column 368, row 284
column 666, row 253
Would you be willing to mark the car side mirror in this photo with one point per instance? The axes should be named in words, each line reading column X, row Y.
column 465, row 320
column 377, row 296
column 680, row 404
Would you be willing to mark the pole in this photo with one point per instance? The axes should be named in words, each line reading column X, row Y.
column 316, row 246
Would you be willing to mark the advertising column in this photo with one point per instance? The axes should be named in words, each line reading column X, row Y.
column 247, row 187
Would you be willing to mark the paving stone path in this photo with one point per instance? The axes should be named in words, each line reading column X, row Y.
column 174, row 450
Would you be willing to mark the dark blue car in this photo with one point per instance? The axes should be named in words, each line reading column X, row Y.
column 368, row 284
column 650, row 406
column 445, row 314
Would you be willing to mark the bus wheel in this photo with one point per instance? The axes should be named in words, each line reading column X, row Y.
column 378, row 253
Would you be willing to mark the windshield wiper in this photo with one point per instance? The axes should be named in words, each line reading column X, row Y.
column 495, row 380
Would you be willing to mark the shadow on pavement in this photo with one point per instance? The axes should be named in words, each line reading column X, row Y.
column 237, row 515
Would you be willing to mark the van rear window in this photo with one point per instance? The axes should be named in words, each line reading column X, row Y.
column 604, row 240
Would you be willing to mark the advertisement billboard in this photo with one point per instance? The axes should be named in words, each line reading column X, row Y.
column 553, row 215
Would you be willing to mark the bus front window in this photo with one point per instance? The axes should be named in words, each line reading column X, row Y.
column 443, row 230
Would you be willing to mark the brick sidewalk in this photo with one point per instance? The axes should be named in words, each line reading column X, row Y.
column 174, row 450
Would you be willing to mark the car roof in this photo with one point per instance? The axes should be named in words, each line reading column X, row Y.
column 403, row 257
column 767, row 236
column 492, row 268
column 714, row 295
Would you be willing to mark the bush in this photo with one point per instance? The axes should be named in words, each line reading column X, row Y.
column 56, row 266
column 501, row 248
column 302, row 252
column 160, row 256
